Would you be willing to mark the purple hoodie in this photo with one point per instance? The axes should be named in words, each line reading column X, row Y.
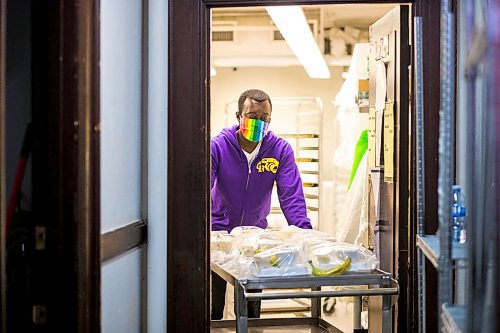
column 243, row 197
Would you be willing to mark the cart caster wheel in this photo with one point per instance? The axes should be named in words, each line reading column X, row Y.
column 329, row 305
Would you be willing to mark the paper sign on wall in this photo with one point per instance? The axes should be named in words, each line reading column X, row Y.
column 371, row 137
column 381, row 86
column 389, row 142
column 379, row 131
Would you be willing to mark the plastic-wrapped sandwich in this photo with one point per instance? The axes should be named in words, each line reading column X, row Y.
column 221, row 241
column 326, row 255
column 279, row 261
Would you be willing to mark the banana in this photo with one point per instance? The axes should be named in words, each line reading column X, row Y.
column 337, row 270
column 260, row 249
column 274, row 261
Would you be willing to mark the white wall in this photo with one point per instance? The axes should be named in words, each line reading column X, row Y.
column 121, row 68
column 292, row 81
column 157, row 167
column 120, row 112
column 121, row 294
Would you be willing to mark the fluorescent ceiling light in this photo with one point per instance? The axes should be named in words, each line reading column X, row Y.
column 293, row 25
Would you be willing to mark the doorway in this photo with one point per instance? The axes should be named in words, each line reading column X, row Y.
column 189, row 158
column 321, row 118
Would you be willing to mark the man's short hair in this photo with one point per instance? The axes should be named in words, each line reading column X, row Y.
column 256, row 95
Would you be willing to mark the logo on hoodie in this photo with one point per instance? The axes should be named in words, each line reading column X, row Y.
column 268, row 164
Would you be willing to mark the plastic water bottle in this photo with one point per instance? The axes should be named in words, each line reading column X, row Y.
column 458, row 212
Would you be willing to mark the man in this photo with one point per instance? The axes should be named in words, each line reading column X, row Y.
column 246, row 161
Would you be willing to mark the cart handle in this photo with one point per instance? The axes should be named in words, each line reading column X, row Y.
column 327, row 293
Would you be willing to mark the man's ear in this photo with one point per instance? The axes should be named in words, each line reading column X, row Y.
column 238, row 115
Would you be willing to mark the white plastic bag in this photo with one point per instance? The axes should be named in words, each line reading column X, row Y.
column 353, row 224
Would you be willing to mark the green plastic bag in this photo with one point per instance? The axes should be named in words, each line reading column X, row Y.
column 361, row 148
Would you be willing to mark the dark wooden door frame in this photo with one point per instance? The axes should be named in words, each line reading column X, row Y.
column 66, row 160
column 66, row 164
column 70, row 105
column 3, row 197
column 189, row 159
column 78, row 148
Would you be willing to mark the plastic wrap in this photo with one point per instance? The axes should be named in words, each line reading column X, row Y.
column 240, row 235
column 326, row 255
column 279, row 261
column 221, row 241
column 252, row 241
column 314, row 239
column 246, row 231
column 251, row 246
column 308, row 237
column 222, row 248
column 284, row 252
column 288, row 232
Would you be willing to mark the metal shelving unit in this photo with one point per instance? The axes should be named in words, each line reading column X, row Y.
column 453, row 318
column 305, row 139
column 419, row 108
column 468, row 274
column 438, row 249
column 430, row 247
column 308, row 168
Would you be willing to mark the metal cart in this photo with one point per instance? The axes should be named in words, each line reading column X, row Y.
column 379, row 283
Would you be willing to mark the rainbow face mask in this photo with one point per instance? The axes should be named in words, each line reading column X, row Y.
column 253, row 129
